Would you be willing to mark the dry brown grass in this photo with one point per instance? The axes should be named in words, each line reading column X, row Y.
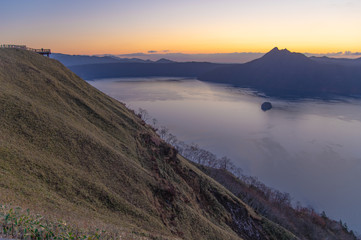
column 69, row 151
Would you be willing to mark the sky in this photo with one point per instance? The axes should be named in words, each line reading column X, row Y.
column 187, row 26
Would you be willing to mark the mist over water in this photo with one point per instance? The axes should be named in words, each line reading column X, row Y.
column 310, row 148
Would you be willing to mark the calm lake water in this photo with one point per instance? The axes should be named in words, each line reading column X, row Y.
column 310, row 148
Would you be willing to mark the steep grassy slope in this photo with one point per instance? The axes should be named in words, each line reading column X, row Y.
column 74, row 152
column 305, row 223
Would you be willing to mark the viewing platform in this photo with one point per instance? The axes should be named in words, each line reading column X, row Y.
column 41, row 51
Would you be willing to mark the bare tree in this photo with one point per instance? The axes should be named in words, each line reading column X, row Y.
column 238, row 172
column 154, row 122
column 224, row 162
column 180, row 146
column 163, row 131
column 143, row 114
column 212, row 160
column 171, row 139
column 191, row 152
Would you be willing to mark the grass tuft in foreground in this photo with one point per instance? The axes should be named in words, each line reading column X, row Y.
column 21, row 224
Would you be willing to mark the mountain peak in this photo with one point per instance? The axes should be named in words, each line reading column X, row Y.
column 164, row 60
column 278, row 51
column 275, row 49
column 284, row 55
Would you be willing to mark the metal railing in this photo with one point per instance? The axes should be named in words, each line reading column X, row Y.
column 13, row 46
column 42, row 51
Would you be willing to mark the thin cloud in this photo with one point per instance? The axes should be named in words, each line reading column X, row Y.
column 133, row 54
column 346, row 54
column 349, row 53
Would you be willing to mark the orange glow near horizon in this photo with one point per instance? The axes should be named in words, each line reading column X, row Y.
column 202, row 26
column 193, row 48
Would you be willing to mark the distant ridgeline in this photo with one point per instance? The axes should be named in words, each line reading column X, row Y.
column 41, row 51
column 282, row 73
column 279, row 73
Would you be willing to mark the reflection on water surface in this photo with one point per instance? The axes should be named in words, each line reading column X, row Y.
column 309, row 148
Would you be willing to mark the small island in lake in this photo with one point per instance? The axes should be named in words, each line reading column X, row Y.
column 266, row 106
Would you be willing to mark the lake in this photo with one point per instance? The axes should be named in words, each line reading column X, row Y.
column 309, row 148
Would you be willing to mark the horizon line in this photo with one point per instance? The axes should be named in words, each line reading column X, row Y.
column 344, row 53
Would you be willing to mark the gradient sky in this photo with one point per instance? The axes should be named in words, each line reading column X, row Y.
column 189, row 26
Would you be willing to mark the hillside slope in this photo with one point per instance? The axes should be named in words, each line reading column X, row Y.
column 282, row 73
column 74, row 152
column 339, row 61
column 71, row 60
column 304, row 222
column 152, row 69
